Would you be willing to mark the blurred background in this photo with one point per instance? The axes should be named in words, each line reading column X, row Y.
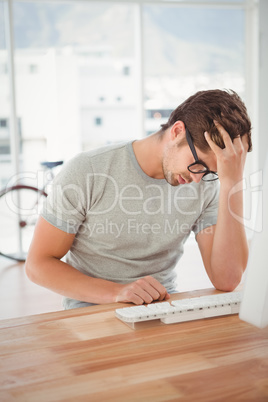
column 87, row 73
column 75, row 75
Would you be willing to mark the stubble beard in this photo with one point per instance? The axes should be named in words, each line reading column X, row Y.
column 169, row 177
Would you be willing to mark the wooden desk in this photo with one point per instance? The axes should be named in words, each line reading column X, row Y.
column 89, row 355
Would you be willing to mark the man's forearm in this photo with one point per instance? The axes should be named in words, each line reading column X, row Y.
column 64, row 279
column 230, row 248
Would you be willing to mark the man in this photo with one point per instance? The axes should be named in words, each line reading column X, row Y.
column 123, row 212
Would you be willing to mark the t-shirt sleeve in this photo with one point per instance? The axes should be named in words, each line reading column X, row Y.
column 68, row 198
column 209, row 213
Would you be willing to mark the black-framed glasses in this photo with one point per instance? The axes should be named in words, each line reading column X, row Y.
column 199, row 166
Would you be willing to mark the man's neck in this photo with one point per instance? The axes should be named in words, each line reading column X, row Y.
column 148, row 152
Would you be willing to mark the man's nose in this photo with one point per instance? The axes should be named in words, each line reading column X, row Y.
column 197, row 177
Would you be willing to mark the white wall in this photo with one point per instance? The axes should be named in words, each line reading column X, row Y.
column 263, row 82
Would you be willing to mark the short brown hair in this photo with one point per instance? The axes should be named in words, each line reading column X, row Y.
column 199, row 111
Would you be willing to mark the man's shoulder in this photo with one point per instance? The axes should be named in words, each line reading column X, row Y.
column 106, row 150
column 98, row 156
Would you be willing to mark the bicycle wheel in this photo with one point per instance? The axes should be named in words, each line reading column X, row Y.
column 19, row 209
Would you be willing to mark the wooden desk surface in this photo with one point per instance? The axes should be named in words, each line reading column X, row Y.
column 87, row 354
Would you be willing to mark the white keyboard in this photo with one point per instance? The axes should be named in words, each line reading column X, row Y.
column 182, row 310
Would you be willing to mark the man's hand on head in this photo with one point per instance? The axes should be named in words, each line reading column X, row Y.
column 230, row 160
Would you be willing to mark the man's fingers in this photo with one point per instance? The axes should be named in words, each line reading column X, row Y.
column 214, row 147
column 158, row 287
column 244, row 140
column 237, row 143
column 143, row 294
column 133, row 293
column 225, row 136
column 133, row 298
column 144, row 290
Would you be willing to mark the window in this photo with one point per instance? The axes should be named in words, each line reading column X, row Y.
column 3, row 68
column 200, row 52
column 126, row 70
column 3, row 123
column 98, row 121
column 33, row 69
column 158, row 113
column 7, row 169
column 77, row 70
column 4, row 149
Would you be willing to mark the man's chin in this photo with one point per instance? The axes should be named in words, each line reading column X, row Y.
column 172, row 181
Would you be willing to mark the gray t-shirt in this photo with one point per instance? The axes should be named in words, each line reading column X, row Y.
column 127, row 224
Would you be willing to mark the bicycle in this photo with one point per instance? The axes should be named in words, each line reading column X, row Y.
column 20, row 205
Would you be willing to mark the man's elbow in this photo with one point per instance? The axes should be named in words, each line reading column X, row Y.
column 227, row 287
column 229, row 283
column 30, row 269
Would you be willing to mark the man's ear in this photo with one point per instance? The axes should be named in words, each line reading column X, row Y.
column 177, row 130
